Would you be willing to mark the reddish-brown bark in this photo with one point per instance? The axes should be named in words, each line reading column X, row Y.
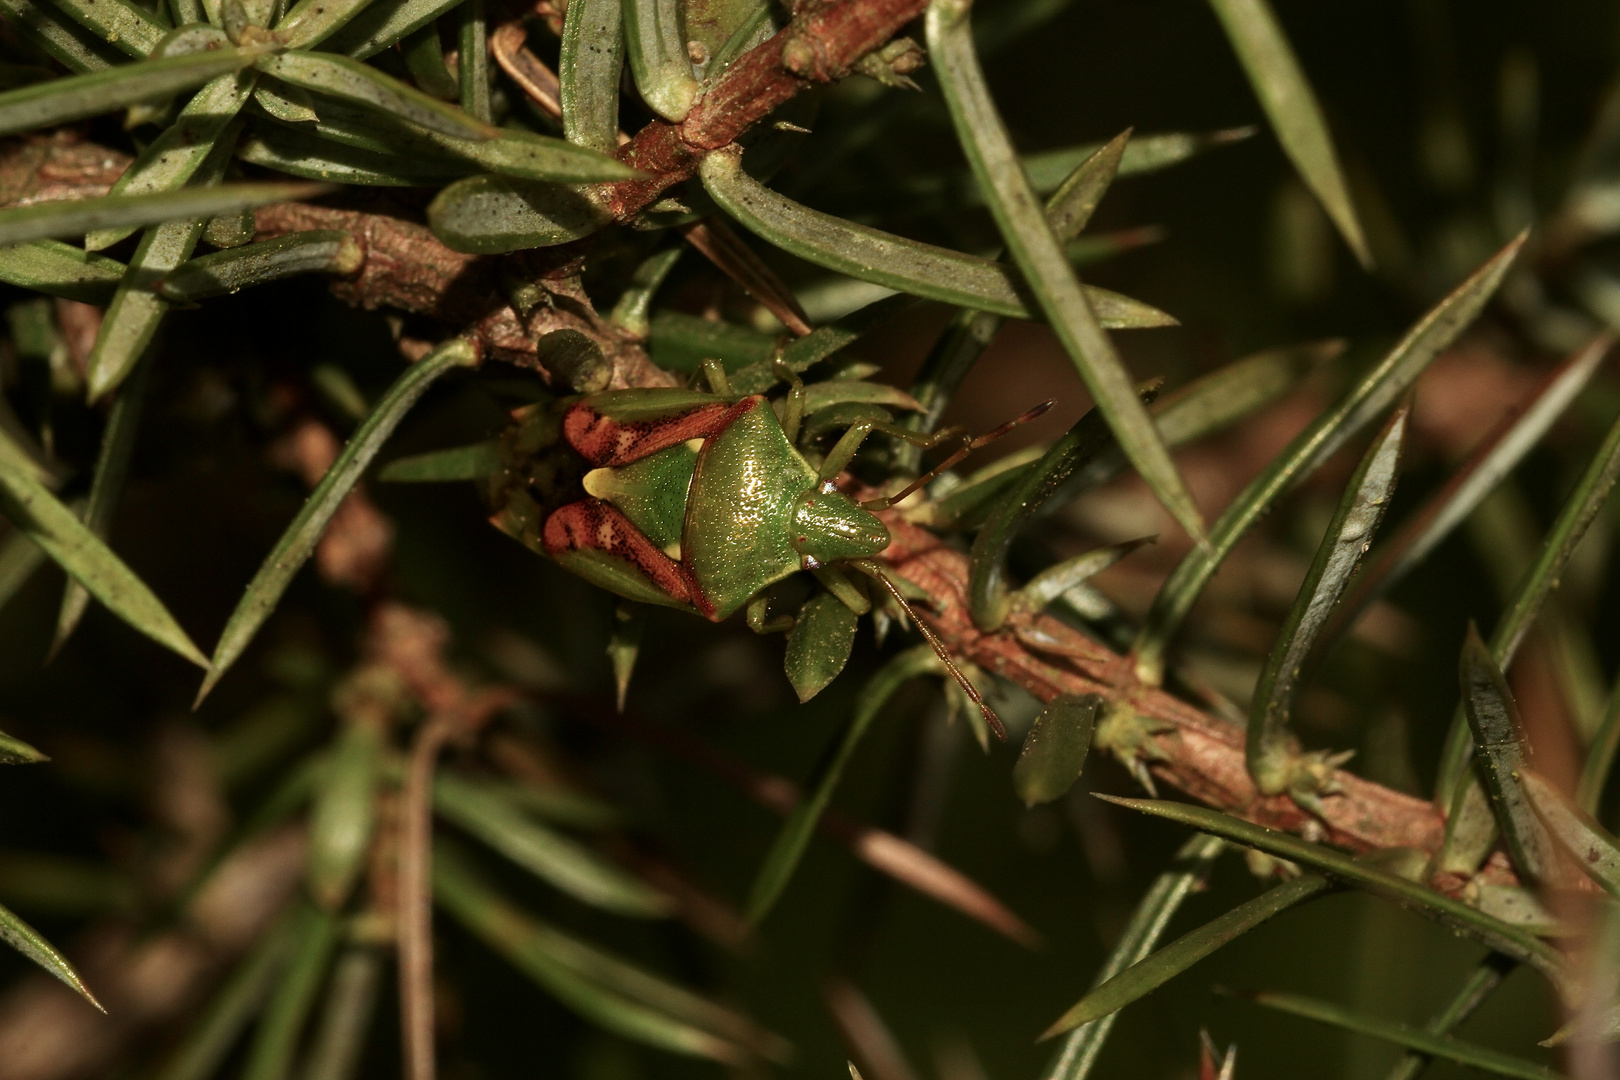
column 407, row 269
column 824, row 39
column 1202, row 755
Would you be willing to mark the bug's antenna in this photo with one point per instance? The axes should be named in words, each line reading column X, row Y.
column 967, row 447
column 871, row 569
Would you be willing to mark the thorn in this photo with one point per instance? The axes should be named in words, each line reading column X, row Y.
column 1139, row 770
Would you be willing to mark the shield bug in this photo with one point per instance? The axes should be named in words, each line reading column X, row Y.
column 704, row 500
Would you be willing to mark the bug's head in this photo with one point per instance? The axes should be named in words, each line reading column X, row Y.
column 828, row 526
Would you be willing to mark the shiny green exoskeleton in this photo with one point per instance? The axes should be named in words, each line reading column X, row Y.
column 699, row 501
column 702, row 501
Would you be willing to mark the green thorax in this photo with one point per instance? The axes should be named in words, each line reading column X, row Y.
column 738, row 536
column 742, row 509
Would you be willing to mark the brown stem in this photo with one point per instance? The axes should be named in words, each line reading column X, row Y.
column 414, row 918
column 407, row 269
column 1197, row 753
column 507, row 46
column 825, row 38
column 412, row 643
column 404, row 266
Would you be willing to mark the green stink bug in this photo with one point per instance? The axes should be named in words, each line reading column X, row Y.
column 702, row 501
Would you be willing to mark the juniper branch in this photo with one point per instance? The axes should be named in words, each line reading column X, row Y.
column 1196, row 753
column 407, row 269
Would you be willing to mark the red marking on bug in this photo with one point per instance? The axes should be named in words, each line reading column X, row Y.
column 603, row 441
column 596, row 525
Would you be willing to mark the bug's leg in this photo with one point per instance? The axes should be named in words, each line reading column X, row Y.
column 968, row 446
column 874, row 571
column 838, row 583
column 715, row 372
column 793, row 413
column 843, row 451
column 759, row 620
